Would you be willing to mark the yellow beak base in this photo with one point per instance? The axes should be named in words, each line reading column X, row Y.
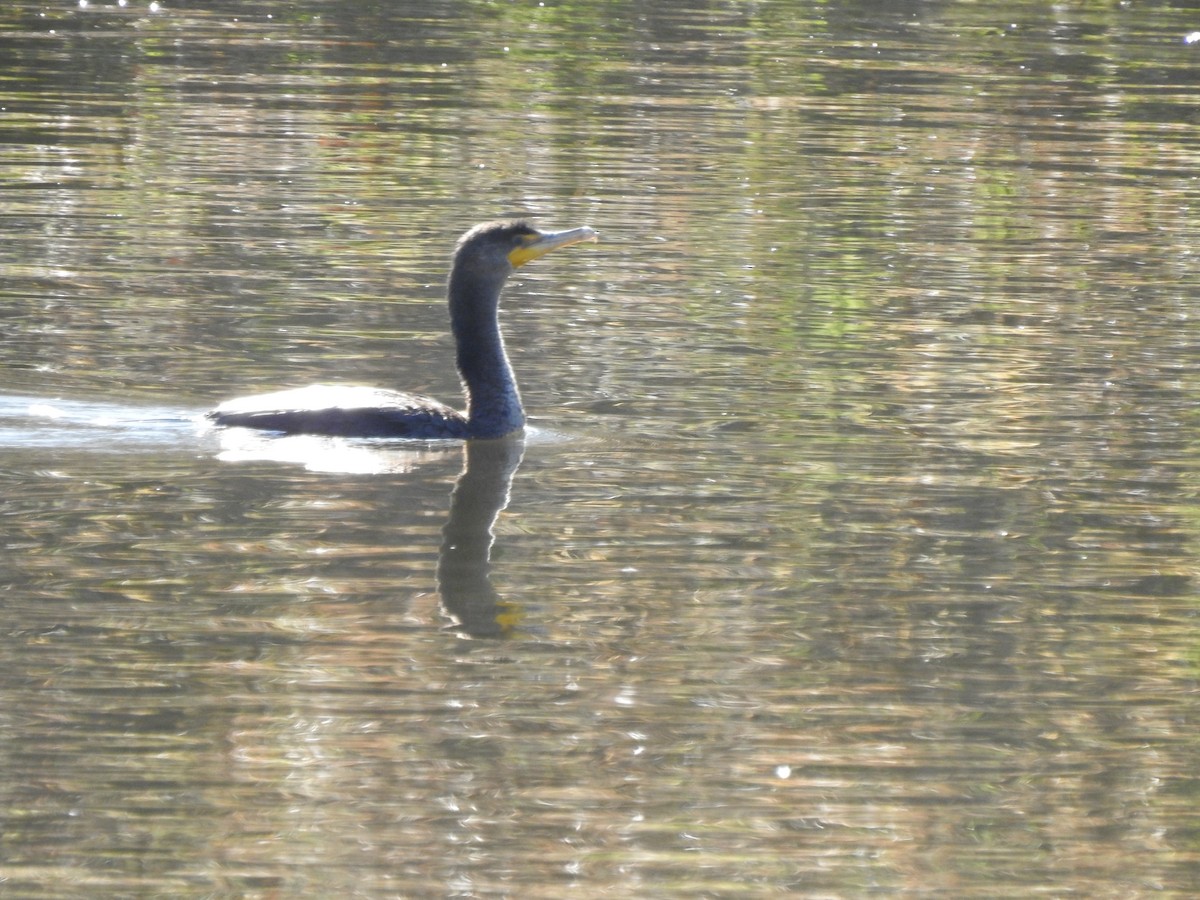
column 541, row 243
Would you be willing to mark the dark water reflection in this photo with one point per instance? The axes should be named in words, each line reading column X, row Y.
column 854, row 549
column 464, row 561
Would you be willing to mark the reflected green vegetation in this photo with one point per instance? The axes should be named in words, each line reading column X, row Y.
column 854, row 550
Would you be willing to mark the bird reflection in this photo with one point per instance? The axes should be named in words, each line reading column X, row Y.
column 464, row 563
column 481, row 492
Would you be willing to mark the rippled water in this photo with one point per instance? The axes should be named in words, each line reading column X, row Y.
column 853, row 547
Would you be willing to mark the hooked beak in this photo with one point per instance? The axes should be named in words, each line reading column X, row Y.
column 543, row 242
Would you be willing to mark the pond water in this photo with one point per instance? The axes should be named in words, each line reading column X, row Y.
column 853, row 546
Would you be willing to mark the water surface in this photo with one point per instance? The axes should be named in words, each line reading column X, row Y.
column 853, row 549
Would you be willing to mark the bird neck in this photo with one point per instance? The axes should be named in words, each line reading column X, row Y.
column 493, row 402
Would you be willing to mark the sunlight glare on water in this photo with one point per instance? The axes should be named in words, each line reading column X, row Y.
column 852, row 549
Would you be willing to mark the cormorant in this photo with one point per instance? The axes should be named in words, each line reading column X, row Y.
column 483, row 259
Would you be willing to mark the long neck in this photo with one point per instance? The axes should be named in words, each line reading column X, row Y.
column 493, row 403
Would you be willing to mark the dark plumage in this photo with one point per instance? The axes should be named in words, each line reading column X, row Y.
column 484, row 258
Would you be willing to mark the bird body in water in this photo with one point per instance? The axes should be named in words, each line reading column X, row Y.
column 484, row 258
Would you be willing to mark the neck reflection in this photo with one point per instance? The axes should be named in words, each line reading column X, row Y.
column 464, row 563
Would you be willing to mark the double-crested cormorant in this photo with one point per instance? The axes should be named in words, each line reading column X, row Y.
column 484, row 258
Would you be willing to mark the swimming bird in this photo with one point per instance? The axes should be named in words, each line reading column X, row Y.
column 483, row 259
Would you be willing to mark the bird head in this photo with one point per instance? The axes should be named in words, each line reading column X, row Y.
column 510, row 243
